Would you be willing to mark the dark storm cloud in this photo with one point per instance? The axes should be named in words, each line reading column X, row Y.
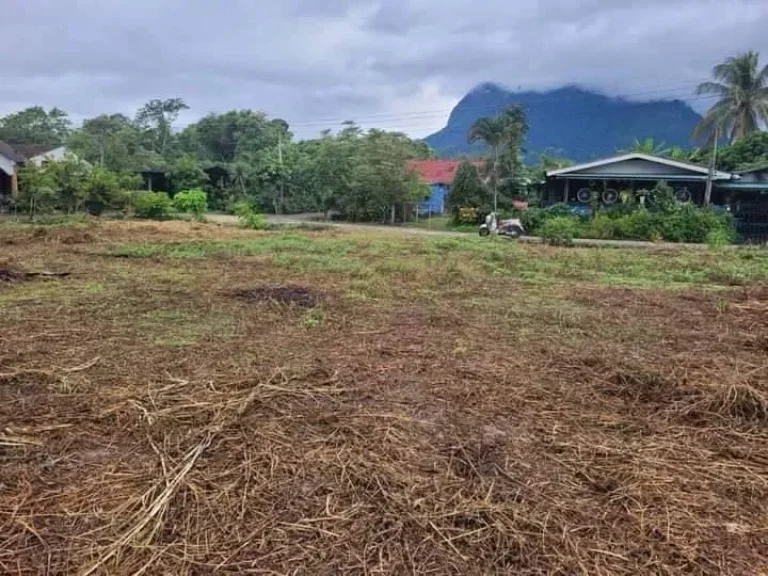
column 399, row 64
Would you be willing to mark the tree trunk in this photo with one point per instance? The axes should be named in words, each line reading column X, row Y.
column 496, row 179
column 392, row 215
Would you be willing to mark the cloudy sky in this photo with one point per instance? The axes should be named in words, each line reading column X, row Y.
column 395, row 64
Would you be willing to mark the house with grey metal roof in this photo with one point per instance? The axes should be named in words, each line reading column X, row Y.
column 14, row 156
column 744, row 193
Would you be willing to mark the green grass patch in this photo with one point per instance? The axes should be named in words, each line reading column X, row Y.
column 453, row 260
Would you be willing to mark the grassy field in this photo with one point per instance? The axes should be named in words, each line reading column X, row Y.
column 196, row 399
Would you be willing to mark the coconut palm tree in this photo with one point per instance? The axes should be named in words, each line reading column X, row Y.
column 507, row 129
column 493, row 133
column 648, row 146
column 742, row 89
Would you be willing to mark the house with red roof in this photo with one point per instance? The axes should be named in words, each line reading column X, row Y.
column 439, row 174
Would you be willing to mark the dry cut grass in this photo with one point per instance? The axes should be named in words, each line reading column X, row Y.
column 197, row 400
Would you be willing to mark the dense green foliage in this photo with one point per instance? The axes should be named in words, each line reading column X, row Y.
column 36, row 125
column 153, row 206
column 559, row 231
column 249, row 216
column 661, row 217
column 69, row 185
column 748, row 152
column 193, row 202
column 467, row 191
column 234, row 156
column 503, row 136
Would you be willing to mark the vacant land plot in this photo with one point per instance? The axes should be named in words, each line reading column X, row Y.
column 191, row 399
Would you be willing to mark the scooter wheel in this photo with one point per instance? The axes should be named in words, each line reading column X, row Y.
column 485, row 232
column 514, row 232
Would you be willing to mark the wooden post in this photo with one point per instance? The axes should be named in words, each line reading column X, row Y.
column 567, row 193
column 14, row 182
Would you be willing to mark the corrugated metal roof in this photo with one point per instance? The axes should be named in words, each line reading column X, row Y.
column 10, row 152
column 438, row 171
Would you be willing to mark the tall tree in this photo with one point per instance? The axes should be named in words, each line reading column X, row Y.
column 492, row 132
column 109, row 140
column 159, row 115
column 36, row 125
column 467, row 190
column 742, row 88
column 505, row 131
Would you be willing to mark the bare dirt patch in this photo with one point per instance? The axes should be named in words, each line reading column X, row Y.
column 10, row 275
column 296, row 295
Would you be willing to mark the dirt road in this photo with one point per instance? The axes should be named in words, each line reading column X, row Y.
column 228, row 219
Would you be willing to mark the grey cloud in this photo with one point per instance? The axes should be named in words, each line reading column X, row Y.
column 406, row 61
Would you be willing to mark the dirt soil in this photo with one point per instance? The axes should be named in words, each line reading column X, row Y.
column 281, row 294
column 151, row 423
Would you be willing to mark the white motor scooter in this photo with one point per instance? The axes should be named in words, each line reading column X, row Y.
column 511, row 228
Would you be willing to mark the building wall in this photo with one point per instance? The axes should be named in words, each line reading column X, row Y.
column 436, row 202
column 7, row 166
column 555, row 190
column 55, row 155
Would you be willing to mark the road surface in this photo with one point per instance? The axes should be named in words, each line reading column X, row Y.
column 228, row 219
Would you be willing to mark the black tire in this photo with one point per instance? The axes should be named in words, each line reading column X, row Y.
column 484, row 232
column 683, row 194
column 610, row 197
column 514, row 232
column 584, row 195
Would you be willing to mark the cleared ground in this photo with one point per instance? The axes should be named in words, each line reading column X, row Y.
column 196, row 399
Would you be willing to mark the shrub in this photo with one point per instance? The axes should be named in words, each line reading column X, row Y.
column 101, row 190
column 249, row 216
column 558, row 210
column 467, row 190
column 637, row 225
column 602, row 227
column 560, row 231
column 193, row 202
column 719, row 237
column 691, row 223
column 153, row 206
column 532, row 220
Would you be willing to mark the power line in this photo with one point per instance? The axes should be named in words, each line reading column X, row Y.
column 671, row 93
column 427, row 119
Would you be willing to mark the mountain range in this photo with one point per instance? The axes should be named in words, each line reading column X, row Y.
column 571, row 122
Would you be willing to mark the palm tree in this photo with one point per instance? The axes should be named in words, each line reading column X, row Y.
column 742, row 88
column 648, row 146
column 506, row 129
column 493, row 133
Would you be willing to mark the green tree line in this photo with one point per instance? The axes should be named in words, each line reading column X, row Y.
column 233, row 156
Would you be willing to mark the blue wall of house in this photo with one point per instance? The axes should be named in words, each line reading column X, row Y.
column 435, row 204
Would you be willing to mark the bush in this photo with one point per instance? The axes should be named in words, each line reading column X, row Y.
column 558, row 210
column 101, row 190
column 689, row 223
column 193, row 202
column 637, row 225
column 153, row 206
column 560, row 231
column 532, row 220
column 602, row 227
column 250, row 217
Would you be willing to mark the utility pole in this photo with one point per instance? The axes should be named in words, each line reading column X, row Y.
column 711, row 175
column 280, row 160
